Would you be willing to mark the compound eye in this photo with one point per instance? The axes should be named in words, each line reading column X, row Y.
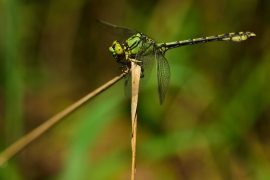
column 118, row 49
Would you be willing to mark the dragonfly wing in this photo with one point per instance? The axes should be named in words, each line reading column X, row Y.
column 116, row 30
column 163, row 76
column 147, row 66
column 128, row 85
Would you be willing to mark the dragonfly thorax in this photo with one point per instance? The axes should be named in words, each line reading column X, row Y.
column 117, row 50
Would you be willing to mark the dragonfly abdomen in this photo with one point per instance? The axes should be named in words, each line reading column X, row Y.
column 236, row 37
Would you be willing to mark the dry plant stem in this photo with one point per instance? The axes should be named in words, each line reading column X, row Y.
column 28, row 138
column 135, row 75
column 134, row 139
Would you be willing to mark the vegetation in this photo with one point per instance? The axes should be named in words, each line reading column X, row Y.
column 215, row 120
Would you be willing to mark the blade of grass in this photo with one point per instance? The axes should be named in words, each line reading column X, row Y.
column 133, row 140
column 136, row 75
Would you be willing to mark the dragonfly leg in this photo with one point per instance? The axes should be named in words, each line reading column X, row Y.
column 124, row 66
column 124, row 69
column 136, row 61
column 119, row 61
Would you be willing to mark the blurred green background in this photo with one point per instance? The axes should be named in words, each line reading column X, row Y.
column 213, row 125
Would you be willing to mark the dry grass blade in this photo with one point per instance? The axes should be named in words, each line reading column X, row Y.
column 28, row 138
column 135, row 75
column 133, row 142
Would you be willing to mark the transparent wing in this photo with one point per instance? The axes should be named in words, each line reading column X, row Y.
column 147, row 66
column 147, row 58
column 128, row 85
column 163, row 76
column 116, row 30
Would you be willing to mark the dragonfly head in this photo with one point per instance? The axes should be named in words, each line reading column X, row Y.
column 117, row 50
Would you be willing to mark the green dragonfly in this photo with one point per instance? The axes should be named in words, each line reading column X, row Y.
column 143, row 50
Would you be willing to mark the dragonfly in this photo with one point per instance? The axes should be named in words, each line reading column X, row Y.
column 144, row 51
